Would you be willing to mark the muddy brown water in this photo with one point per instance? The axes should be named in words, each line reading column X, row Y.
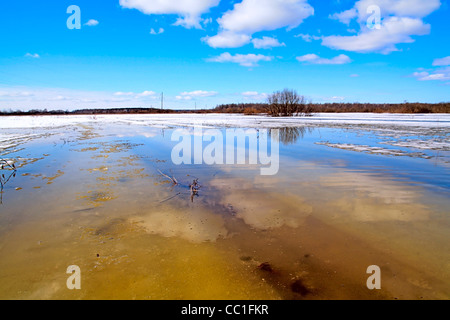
column 85, row 195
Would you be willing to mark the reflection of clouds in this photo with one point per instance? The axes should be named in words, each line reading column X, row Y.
column 373, row 198
column 259, row 208
column 193, row 225
column 135, row 131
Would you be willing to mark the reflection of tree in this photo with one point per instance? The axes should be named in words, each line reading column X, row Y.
column 291, row 135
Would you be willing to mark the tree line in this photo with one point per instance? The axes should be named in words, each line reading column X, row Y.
column 285, row 103
column 311, row 108
column 288, row 103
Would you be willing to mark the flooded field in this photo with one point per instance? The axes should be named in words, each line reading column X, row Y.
column 103, row 193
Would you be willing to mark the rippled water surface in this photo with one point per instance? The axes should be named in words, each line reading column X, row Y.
column 97, row 195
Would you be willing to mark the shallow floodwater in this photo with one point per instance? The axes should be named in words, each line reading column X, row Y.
column 99, row 196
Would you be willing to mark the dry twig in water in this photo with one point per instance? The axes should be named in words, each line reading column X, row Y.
column 4, row 164
column 3, row 179
column 194, row 187
column 175, row 182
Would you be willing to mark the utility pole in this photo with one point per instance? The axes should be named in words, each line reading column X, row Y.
column 162, row 101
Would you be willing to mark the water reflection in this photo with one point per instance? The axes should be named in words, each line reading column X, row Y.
column 259, row 206
column 368, row 197
column 194, row 224
column 162, row 231
column 4, row 179
column 289, row 136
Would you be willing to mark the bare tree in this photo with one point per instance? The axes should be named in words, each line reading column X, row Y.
column 286, row 103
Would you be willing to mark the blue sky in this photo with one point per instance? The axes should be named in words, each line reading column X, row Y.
column 206, row 52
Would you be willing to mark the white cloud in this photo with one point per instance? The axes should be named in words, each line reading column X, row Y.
column 401, row 8
column 160, row 31
column 227, row 40
column 121, row 94
column 251, row 16
column 442, row 62
column 267, row 43
column 307, row 37
column 15, row 94
column 245, row 60
column 394, row 31
column 442, row 74
column 254, row 95
column 196, row 94
column 315, row 59
column 189, row 11
column 400, row 20
column 146, row 94
column 183, row 98
column 32, row 55
column 207, row 21
column 133, row 95
column 336, row 98
column 26, row 98
column 91, row 23
column 345, row 16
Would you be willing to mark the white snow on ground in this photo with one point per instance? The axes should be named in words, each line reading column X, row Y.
column 433, row 129
column 374, row 150
column 431, row 144
column 12, row 141
column 231, row 120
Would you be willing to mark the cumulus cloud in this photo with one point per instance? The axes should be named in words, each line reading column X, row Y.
column 442, row 74
column 442, row 62
column 189, row 12
column 32, row 55
column 91, row 23
column 254, row 95
column 121, row 94
column 251, row 16
column 401, row 8
column 196, row 94
column 394, row 31
column 307, row 37
column 146, row 94
column 15, row 94
column 134, row 95
column 267, row 43
column 245, row 60
column 345, row 16
column 315, row 59
column 227, row 40
column 26, row 98
column 400, row 20
column 154, row 32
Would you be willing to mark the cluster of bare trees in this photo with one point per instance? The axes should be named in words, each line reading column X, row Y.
column 287, row 103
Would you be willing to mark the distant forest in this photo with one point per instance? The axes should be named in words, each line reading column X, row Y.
column 249, row 109
column 256, row 108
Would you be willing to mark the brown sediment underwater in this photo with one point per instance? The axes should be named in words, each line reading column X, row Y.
column 105, row 204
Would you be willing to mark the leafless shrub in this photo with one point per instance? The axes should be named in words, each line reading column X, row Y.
column 286, row 103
